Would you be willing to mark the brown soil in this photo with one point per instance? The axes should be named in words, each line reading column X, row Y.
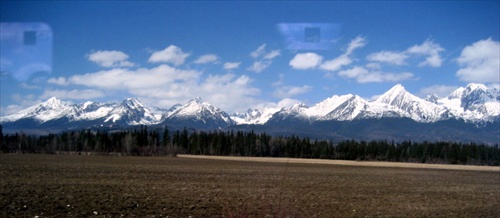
column 349, row 163
column 84, row 186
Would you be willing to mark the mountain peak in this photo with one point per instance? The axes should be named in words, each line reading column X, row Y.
column 395, row 92
column 398, row 87
column 201, row 112
column 198, row 100
column 132, row 103
column 475, row 86
column 53, row 102
column 193, row 107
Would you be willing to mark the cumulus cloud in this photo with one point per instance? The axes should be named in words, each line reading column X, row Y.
column 337, row 63
column 304, row 61
column 494, row 86
column 21, row 102
column 141, row 78
column 272, row 54
column 163, row 86
column 391, row 57
column 259, row 66
column 264, row 59
column 280, row 81
column 311, row 60
column 429, row 49
column 172, row 54
column 287, row 103
column 205, row 59
column 231, row 65
column 283, row 103
column 217, row 91
column 110, row 59
column 58, row 81
column 439, row 90
column 28, row 86
column 72, row 94
column 289, row 91
column 373, row 65
column 356, row 43
column 480, row 62
column 259, row 51
column 363, row 75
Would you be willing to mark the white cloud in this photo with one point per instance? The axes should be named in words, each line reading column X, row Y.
column 280, row 81
column 259, row 66
column 356, row 43
column 363, row 75
column 337, row 63
column 373, row 65
column 58, row 81
column 287, row 103
column 289, row 91
column 439, row 90
column 228, row 91
column 344, row 59
column 272, row 54
column 480, row 62
column 27, row 86
column 391, row 57
column 140, row 78
column 304, row 61
column 21, row 102
column 110, row 59
column 429, row 49
column 5, row 63
column 205, row 59
column 72, row 94
column 262, row 62
column 231, row 65
column 283, row 103
column 10, row 109
column 494, row 86
column 259, row 51
column 164, row 86
column 172, row 54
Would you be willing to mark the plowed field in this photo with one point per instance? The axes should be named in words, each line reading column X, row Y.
column 103, row 186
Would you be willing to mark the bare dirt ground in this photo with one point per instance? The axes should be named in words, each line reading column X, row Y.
column 349, row 163
column 85, row 186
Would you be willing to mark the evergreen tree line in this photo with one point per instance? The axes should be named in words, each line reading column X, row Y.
column 159, row 142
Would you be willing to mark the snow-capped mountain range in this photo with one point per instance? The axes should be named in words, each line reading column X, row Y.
column 474, row 103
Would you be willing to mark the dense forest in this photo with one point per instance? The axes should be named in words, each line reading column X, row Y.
column 159, row 142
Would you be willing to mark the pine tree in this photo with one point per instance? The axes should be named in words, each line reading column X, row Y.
column 1, row 138
column 166, row 137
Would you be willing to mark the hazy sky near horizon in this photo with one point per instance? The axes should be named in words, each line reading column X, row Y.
column 241, row 55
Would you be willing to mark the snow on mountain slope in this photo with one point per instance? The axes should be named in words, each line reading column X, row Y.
column 411, row 106
column 51, row 109
column 475, row 102
column 202, row 111
column 133, row 112
column 350, row 109
column 254, row 116
column 327, row 106
column 92, row 110
column 482, row 104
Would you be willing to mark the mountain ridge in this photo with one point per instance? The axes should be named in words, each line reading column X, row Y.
column 474, row 104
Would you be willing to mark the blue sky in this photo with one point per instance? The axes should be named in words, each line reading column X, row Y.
column 240, row 55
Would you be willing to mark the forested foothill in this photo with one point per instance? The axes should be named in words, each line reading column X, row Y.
column 160, row 142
